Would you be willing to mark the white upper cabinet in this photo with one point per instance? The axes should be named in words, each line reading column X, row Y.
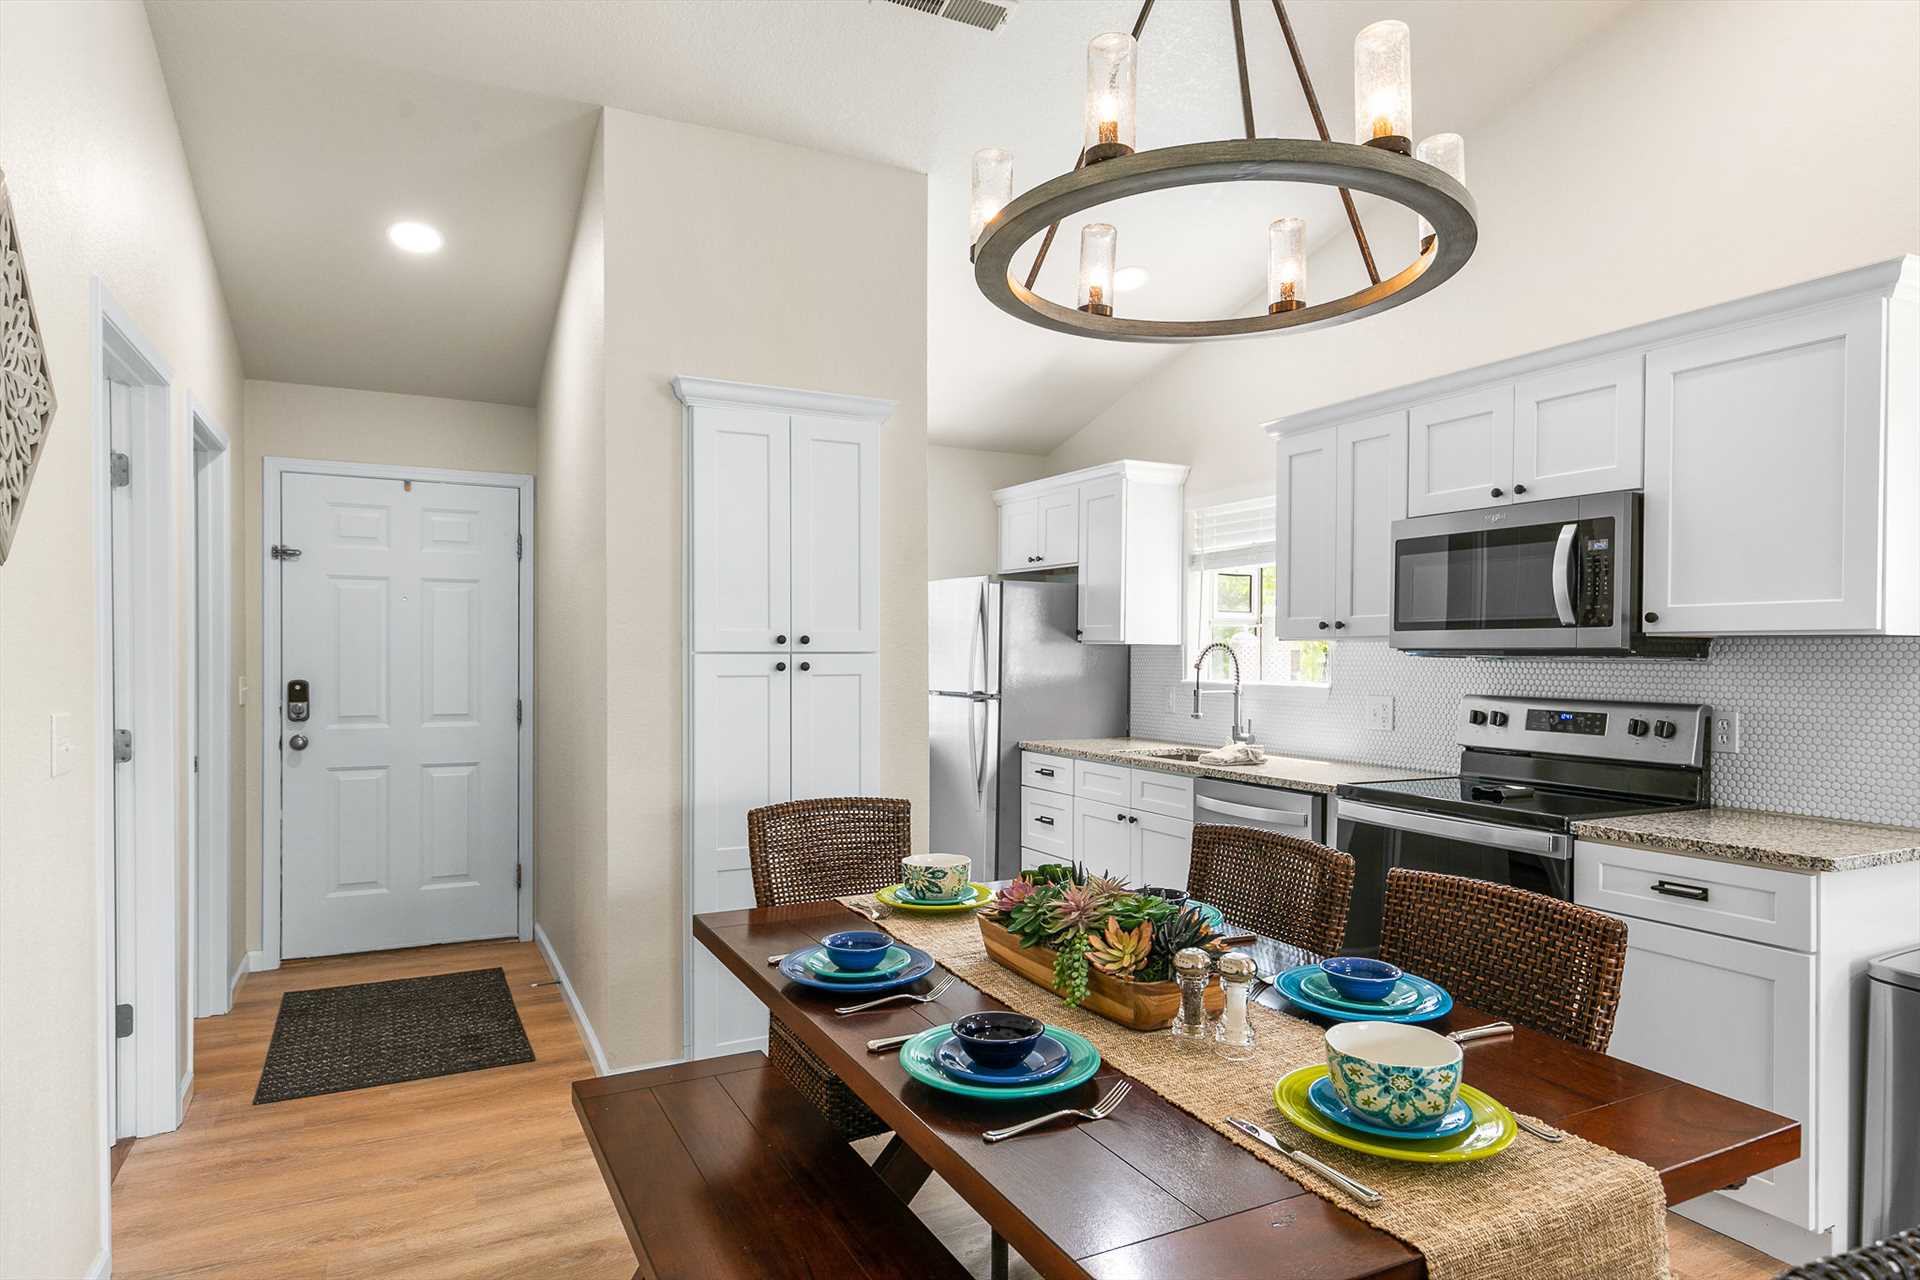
column 1460, row 452
column 1783, row 460
column 1120, row 524
column 1340, row 490
column 742, row 531
column 836, row 535
column 1578, row 430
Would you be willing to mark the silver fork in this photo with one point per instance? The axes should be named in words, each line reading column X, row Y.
column 875, row 911
column 928, row 998
column 1099, row 1111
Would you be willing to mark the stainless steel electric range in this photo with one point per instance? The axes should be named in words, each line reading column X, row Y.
column 1529, row 769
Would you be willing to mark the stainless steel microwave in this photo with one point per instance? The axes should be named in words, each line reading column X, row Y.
column 1560, row 576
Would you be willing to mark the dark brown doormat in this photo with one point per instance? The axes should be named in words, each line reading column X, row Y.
column 332, row 1039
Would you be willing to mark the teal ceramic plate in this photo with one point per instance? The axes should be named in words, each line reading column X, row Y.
column 1433, row 1003
column 821, row 965
column 1403, row 997
column 918, row 1057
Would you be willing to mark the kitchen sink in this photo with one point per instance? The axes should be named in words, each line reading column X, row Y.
column 1190, row 755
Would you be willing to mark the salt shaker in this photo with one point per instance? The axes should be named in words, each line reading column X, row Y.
column 1193, row 970
column 1233, row 1040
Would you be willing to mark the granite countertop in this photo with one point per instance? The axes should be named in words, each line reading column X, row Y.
column 1763, row 839
column 1294, row 773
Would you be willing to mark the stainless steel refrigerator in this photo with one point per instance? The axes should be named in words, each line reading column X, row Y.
column 1004, row 665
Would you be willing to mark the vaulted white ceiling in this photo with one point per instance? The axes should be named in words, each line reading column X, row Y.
column 311, row 126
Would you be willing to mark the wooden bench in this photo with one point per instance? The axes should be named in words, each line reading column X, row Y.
column 719, row 1169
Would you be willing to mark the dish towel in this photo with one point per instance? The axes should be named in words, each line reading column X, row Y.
column 1235, row 753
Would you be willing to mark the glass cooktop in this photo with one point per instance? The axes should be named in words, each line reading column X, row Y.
column 1499, row 800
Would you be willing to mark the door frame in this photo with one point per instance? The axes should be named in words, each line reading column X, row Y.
column 272, row 470
column 121, row 352
column 210, row 717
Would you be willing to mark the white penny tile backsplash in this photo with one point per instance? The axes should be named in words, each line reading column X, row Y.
column 1829, row 726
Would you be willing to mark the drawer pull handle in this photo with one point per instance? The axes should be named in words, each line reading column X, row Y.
column 1694, row 892
column 1045, row 773
column 1044, row 821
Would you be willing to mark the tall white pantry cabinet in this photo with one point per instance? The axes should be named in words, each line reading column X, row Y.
column 783, row 669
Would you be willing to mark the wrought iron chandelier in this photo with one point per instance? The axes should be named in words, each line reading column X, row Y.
column 1428, row 179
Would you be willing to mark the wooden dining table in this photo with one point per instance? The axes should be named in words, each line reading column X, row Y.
column 1153, row 1192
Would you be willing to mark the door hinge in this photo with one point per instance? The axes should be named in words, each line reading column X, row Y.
column 517, row 869
column 196, row 762
column 519, row 711
column 283, row 552
column 120, row 470
column 122, row 745
column 519, row 546
column 122, row 1021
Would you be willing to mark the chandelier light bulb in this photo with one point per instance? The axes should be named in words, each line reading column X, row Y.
column 1110, row 75
column 1286, row 265
column 992, row 189
column 1097, row 246
column 1446, row 152
column 1383, row 86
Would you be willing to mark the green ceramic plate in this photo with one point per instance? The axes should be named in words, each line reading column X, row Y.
column 1403, row 996
column 891, row 896
column 821, row 965
column 1491, row 1133
column 917, row 1056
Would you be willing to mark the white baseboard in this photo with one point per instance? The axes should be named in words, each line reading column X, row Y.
column 102, row 1265
column 1770, row 1235
column 594, row 1051
column 186, row 1097
column 240, row 970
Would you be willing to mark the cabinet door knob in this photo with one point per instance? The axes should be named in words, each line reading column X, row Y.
column 1119, row 817
column 1652, row 616
column 779, row 666
column 1323, row 624
column 779, row 639
column 1132, row 818
column 806, row 666
column 1519, row 489
column 1339, row 626
column 806, row 639
column 1499, row 493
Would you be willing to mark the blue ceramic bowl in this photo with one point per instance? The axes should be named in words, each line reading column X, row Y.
column 1400, row 1077
column 1360, row 978
column 857, row 949
column 998, row 1039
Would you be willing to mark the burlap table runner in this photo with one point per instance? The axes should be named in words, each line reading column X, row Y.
column 1557, row 1211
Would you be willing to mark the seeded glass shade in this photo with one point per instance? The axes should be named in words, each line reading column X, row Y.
column 992, row 188
column 1286, row 263
column 1383, row 82
column 1446, row 152
column 1097, row 245
column 1110, row 72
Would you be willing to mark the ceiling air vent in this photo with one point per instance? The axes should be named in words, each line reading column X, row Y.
column 987, row 15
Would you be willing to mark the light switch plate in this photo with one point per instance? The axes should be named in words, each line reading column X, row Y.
column 1726, row 733
column 59, row 744
column 1380, row 714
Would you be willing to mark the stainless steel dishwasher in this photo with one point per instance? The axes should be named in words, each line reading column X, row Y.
column 1242, row 804
column 1890, row 1159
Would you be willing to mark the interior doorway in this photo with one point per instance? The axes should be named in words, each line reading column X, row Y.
column 210, row 721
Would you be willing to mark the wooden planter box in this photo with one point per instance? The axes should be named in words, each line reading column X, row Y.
column 1144, row 1006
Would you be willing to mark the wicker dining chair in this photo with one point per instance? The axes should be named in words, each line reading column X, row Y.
column 1895, row 1258
column 806, row 850
column 1282, row 887
column 1531, row 959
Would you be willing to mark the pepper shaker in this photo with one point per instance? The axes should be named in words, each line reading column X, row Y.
column 1193, row 970
column 1233, row 1040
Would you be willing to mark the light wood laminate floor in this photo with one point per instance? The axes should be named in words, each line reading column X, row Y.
column 483, row 1174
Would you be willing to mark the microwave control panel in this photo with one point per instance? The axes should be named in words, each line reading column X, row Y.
column 1596, row 574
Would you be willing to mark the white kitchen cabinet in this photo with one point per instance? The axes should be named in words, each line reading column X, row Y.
column 1460, row 452
column 1340, row 490
column 836, row 535
column 1162, row 850
column 1046, row 824
column 1049, row 773
column 836, row 724
column 1102, row 838
column 1783, row 476
column 741, row 532
column 1579, row 430
column 1120, row 524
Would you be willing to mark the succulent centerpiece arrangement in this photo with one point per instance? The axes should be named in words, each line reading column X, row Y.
column 1095, row 924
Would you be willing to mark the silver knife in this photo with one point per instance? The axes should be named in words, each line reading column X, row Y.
column 1359, row 1191
column 885, row 1043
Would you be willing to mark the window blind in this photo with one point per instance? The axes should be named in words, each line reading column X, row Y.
column 1232, row 534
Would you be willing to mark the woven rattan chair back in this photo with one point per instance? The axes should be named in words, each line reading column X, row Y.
column 806, row 850
column 1526, row 957
column 1282, row 887
column 1895, row 1258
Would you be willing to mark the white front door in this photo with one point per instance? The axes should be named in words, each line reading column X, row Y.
column 400, row 790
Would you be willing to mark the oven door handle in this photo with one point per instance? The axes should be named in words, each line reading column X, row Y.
column 1544, row 844
column 1563, row 573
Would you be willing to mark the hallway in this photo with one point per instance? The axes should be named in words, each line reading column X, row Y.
column 480, row 1174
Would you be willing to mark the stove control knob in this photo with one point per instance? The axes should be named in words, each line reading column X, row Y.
column 1665, row 728
column 1476, row 716
column 1499, row 719
column 1637, row 728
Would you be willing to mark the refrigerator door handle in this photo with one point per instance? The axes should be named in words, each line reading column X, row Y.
column 976, row 643
column 980, row 768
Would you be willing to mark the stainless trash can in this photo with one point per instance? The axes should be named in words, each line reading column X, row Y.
column 1890, row 1155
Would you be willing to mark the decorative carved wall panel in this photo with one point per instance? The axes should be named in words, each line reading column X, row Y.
column 28, row 390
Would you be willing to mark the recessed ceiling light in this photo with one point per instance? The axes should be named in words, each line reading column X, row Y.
column 1129, row 278
column 415, row 237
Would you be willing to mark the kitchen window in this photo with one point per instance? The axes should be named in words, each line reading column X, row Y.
column 1231, row 590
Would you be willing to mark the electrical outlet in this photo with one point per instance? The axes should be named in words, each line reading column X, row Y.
column 1726, row 733
column 59, row 744
column 1380, row 714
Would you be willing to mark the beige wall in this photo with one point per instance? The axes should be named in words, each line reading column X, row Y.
column 963, row 526
column 570, row 619
column 827, row 292
column 331, row 424
column 100, row 188
column 1659, row 171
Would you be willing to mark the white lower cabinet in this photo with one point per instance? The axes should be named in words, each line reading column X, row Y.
column 1162, row 851
column 1046, row 826
column 1102, row 838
